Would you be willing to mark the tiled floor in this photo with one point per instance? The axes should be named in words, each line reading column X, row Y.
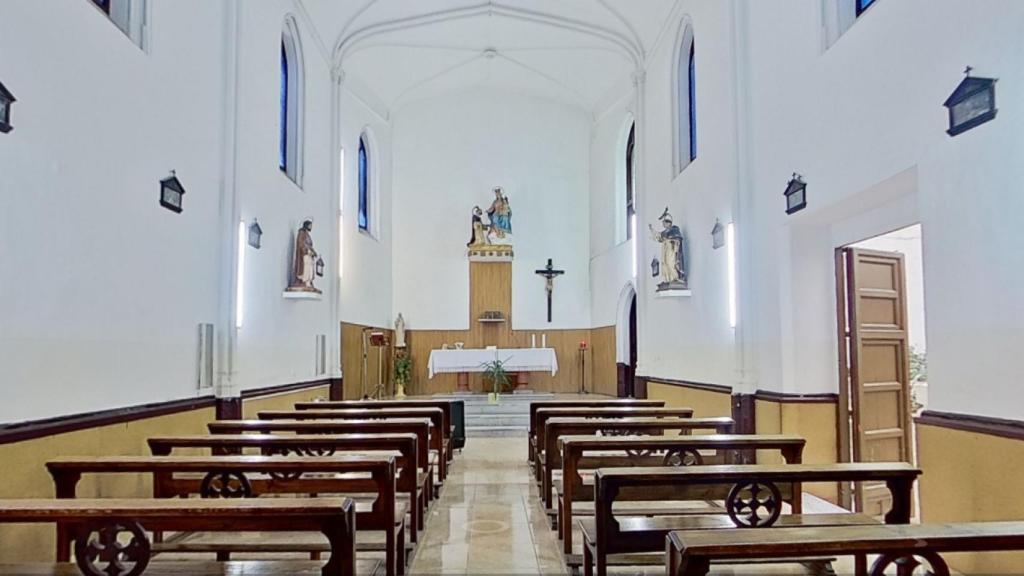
column 489, row 521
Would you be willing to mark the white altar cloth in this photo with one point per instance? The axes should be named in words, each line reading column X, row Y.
column 472, row 360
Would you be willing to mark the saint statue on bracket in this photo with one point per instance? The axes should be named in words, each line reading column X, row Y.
column 491, row 241
column 307, row 264
column 672, row 267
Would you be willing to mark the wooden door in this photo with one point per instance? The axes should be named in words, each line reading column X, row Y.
column 875, row 366
column 630, row 391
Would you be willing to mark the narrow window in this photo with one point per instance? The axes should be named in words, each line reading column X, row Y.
column 364, row 186
column 283, row 144
column 291, row 113
column 692, row 104
column 630, row 181
column 863, row 5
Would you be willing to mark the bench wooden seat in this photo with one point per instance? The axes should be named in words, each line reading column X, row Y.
column 608, row 536
column 439, row 432
column 363, row 567
column 419, row 426
column 689, row 553
column 578, row 452
column 593, row 403
column 235, row 476
column 335, row 518
column 444, row 405
column 409, row 481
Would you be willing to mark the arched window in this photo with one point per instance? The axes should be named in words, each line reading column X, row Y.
column 291, row 102
column 364, row 184
column 692, row 74
column 630, row 181
column 686, row 100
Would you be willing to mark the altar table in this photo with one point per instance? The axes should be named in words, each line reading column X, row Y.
column 521, row 361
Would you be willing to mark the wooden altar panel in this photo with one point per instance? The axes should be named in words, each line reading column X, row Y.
column 490, row 289
column 352, row 360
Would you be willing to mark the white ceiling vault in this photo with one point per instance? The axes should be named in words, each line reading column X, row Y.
column 579, row 52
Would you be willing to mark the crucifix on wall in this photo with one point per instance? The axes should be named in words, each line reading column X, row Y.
column 549, row 273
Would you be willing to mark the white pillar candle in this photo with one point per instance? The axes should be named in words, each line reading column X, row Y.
column 533, row 340
column 543, row 340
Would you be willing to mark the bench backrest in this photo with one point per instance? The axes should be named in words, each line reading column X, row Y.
column 609, row 402
column 446, row 406
column 410, row 458
column 419, row 426
column 435, row 415
column 605, row 412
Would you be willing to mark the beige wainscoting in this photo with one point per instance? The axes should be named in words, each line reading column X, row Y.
column 813, row 420
column 971, row 476
column 26, row 476
column 283, row 400
column 706, row 402
column 352, row 360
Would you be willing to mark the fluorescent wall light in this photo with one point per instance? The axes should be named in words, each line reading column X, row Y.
column 636, row 242
column 730, row 242
column 240, row 280
column 341, row 212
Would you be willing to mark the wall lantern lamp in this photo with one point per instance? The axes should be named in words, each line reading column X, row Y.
column 255, row 234
column 796, row 194
column 6, row 100
column 171, row 192
column 320, row 267
column 972, row 103
column 655, row 268
column 718, row 235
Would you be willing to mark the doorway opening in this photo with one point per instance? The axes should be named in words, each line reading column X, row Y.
column 882, row 356
column 626, row 344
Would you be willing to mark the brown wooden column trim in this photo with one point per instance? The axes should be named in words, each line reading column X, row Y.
column 1013, row 429
column 228, row 408
column 337, row 389
column 640, row 387
column 744, row 414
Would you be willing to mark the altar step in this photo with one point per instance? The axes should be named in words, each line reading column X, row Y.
column 510, row 417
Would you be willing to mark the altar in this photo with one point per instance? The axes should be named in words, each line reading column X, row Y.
column 520, row 361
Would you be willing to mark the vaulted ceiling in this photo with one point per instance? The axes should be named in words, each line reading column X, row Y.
column 581, row 52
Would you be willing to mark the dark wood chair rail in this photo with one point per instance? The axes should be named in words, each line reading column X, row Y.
column 534, row 406
column 575, row 449
column 898, row 477
column 690, row 552
column 444, row 405
column 410, row 458
column 67, row 472
column 555, row 428
column 333, row 517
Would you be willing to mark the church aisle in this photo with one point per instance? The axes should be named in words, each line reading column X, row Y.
column 488, row 519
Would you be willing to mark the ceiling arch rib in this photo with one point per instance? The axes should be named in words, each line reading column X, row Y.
column 346, row 44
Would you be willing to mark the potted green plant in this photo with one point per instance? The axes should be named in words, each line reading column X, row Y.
column 403, row 373
column 495, row 372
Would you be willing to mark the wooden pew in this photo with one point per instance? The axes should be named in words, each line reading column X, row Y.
column 606, row 534
column 690, row 553
column 240, row 477
column 439, row 437
column 410, row 481
column 335, row 518
column 596, row 403
column 419, row 426
column 545, row 414
column 555, row 428
column 444, row 405
column 594, row 452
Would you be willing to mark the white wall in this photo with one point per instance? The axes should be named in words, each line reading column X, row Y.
column 102, row 288
column 91, row 264
column 449, row 154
